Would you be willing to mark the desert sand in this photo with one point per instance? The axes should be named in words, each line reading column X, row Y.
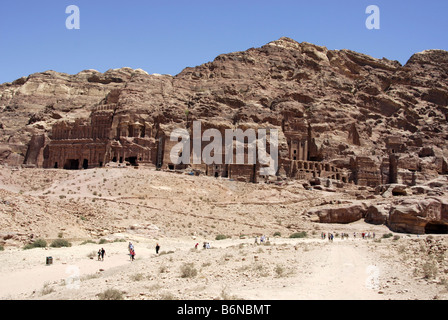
column 110, row 207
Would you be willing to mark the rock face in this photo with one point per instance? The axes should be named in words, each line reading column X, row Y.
column 428, row 215
column 341, row 115
column 418, row 215
column 378, row 214
column 342, row 214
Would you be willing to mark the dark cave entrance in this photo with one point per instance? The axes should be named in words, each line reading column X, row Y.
column 72, row 164
column 132, row 161
column 225, row 173
column 436, row 228
column 398, row 193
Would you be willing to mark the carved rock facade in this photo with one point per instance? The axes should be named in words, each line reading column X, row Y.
column 341, row 115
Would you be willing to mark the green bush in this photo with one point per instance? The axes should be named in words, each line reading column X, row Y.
column 387, row 235
column 277, row 234
column 299, row 235
column 60, row 243
column 39, row 243
column 221, row 237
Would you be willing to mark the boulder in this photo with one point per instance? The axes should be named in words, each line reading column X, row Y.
column 420, row 190
column 426, row 215
column 377, row 214
column 391, row 190
column 344, row 214
column 426, row 152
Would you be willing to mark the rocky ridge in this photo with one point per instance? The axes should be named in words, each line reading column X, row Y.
column 355, row 105
column 352, row 101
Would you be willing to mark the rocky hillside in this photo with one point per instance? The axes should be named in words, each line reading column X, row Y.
column 353, row 102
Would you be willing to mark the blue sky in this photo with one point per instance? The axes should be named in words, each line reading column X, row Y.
column 167, row 36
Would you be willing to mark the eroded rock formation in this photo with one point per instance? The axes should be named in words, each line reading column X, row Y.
column 341, row 115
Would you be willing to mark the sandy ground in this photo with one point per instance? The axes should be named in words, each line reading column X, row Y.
column 284, row 269
column 177, row 211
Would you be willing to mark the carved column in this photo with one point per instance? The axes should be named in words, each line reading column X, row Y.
column 305, row 151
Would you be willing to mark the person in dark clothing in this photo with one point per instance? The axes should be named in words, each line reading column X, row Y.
column 157, row 249
column 103, row 252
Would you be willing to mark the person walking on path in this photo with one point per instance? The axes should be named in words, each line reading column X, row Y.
column 103, row 252
column 157, row 249
column 132, row 254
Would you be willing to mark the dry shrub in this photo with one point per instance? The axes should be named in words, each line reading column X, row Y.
column 110, row 294
column 187, row 270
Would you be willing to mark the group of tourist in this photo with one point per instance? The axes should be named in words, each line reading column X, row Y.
column 131, row 251
column 206, row 245
column 263, row 239
column 101, row 254
column 368, row 235
column 324, row 235
column 364, row 235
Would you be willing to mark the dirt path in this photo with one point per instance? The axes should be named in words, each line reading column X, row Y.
column 25, row 271
column 342, row 270
column 320, row 270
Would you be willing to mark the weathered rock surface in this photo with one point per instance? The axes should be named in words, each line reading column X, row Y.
column 418, row 215
column 342, row 116
column 378, row 214
column 352, row 102
column 341, row 214
column 427, row 215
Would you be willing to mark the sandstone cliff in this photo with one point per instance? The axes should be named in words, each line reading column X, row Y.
column 359, row 110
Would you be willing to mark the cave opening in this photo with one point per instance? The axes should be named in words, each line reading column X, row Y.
column 436, row 228
column 71, row 164
column 132, row 160
column 399, row 193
